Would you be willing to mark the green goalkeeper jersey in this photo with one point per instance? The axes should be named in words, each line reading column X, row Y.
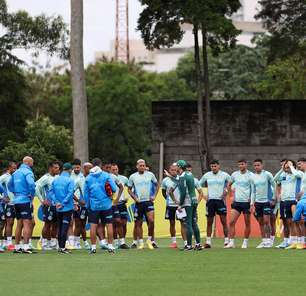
column 187, row 188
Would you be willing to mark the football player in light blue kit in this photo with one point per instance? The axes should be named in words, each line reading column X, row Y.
column 171, row 193
column 217, row 183
column 196, row 183
column 81, row 215
column 301, row 209
column 3, row 195
column 9, row 209
column 289, row 180
column 118, row 231
column 241, row 186
column 48, row 239
column 263, row 198
column 74, row 227
column 140, row 189
column 300, row 166
column 120, row 207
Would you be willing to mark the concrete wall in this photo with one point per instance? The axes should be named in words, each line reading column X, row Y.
column 270, row 130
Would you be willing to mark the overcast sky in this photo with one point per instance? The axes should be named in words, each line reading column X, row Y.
column 99, row 21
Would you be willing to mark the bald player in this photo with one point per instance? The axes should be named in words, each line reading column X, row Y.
column 22, row 185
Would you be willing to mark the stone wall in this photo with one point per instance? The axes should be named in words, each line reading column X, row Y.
column 270, row 130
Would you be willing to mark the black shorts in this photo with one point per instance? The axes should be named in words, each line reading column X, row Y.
column 215, row 206
column 24, row 211
column 142, row 208
column 262, row 208
column 170, row 213
column 9, row 211
column 123, row 211
column 116, row 213
column 49, row 214
column 286, row 209
column 104, row 217
column 241, row 207
column 81, row 213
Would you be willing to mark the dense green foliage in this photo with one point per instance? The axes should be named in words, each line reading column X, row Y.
column 119, row 113
column 119, row 106
column 20, row 30
column 160, row 21
column 285, row 79
column 44, row 141
column 234, row 74
column 285, row 75
column 14, row 108
column 24, row 31
column 286, row 22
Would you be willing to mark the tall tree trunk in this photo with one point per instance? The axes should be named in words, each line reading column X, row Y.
column 198, row 70
column 208, row 156
column 79, row 99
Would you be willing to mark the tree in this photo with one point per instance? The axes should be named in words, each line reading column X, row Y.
column 119, row 113
column 160, row 25
column 286, row 22
column 285, row 79
column 44, row 141
column 45, row 86
column 112, row 89
column 79, row 100
column 168, row 86
column 234, row 74
column 20, row 30
column 55, row 139
column 37, row 33
column 14, row 109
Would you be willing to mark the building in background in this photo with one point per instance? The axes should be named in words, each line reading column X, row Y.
column 166, row 59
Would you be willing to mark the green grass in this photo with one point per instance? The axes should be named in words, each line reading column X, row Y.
column 159, row 272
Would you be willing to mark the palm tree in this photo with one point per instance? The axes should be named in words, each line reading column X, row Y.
column 79, row 99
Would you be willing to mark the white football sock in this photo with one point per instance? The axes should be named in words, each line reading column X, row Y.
column 71, row 240
column 103, row 242
column 9, row 240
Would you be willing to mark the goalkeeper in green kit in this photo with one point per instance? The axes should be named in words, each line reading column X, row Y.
column 189, row 203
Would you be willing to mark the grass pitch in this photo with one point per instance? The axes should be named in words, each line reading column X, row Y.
column 158, row 272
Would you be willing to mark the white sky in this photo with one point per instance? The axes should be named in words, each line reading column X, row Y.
column 99, row 21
